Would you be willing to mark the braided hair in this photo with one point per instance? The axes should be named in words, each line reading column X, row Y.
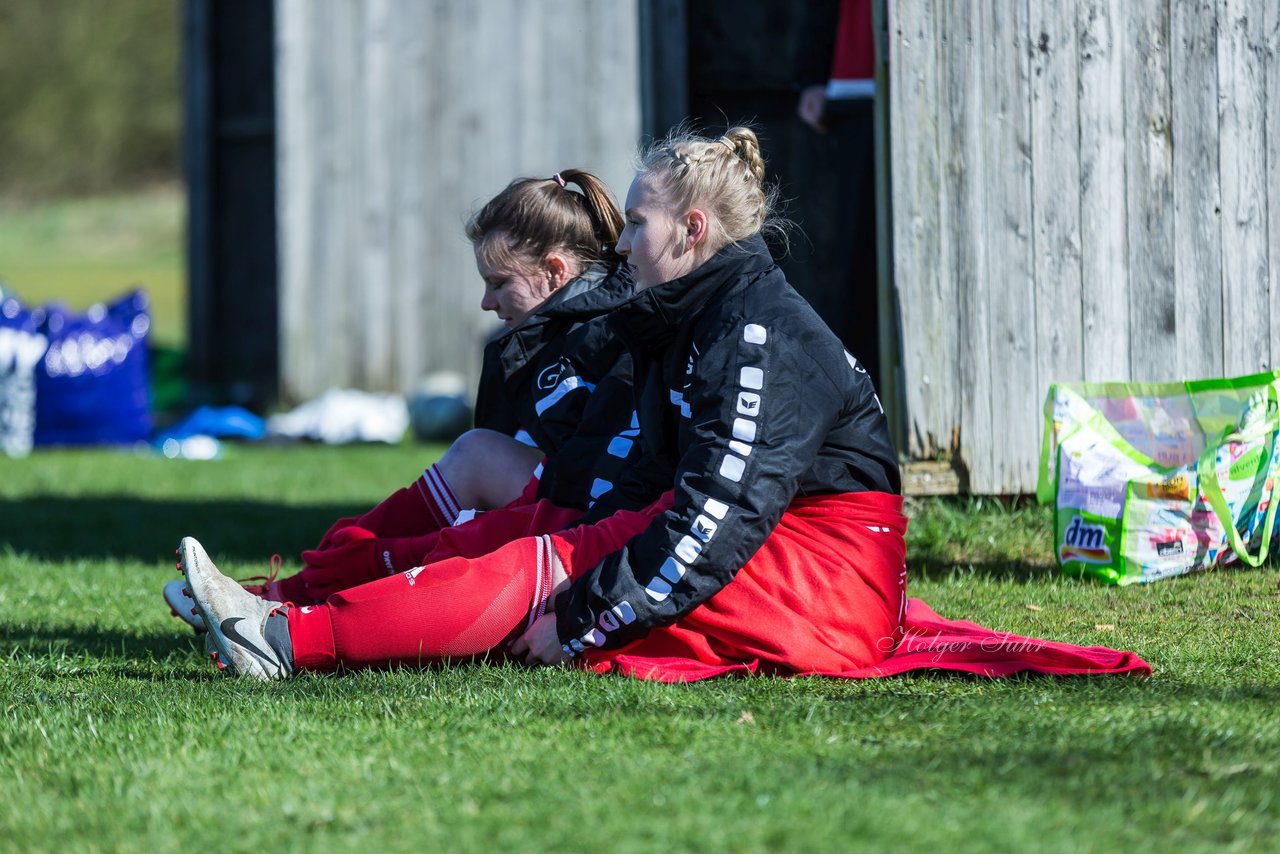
column 724, row 176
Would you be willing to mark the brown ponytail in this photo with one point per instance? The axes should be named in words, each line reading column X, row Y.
column 534, row 217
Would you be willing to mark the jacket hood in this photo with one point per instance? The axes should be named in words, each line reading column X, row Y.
column 654, row 313
column 597, row 291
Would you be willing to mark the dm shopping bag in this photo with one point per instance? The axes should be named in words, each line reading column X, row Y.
column 1151, row 480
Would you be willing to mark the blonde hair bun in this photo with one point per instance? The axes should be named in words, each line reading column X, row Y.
column 742, row 142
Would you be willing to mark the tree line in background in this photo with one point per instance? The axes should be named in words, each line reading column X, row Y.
column 90, row 97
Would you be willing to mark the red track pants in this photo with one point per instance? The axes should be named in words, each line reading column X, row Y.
column 824, row 593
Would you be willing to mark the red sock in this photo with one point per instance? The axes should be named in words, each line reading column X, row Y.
column 495, row 528
column 428, row 504
column 440, row 499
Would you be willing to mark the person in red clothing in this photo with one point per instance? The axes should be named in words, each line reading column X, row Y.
column 552, row 387
column 836, row 61
column 779, row 544
column 834, row 72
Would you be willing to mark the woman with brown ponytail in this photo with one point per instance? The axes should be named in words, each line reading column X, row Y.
column 553, row 386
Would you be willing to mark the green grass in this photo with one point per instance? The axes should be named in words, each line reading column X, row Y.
column 117, row 734
column 84, row 251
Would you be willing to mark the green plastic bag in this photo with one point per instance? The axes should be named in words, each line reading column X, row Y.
column 1151, row 480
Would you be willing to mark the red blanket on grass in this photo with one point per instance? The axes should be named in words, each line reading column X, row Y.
column 930, row 642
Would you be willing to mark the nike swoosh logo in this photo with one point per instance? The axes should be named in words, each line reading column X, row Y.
column 229, row 629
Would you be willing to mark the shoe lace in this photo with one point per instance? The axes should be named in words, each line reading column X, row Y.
column 258, row 584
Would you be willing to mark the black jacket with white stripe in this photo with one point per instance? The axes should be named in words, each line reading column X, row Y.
column 564, row 377
column 745, row 399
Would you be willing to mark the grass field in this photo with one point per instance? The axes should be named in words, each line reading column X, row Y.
column 117, row 734
column 84, row 251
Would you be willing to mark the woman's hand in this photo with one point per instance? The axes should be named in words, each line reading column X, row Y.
column 541, row 643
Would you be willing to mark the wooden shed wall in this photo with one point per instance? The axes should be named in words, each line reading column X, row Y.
column 398, row 119
column 1083, row 189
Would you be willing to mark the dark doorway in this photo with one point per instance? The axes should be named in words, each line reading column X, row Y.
column 230, row 167
column 714, row 62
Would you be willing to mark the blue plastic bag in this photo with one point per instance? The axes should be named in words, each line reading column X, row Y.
column 91, row 385
column 221, row 422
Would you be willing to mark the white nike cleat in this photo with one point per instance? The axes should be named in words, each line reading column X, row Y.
column 182, row 605
column 235, row 619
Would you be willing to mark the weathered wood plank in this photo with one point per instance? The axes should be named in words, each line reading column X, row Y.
column 1055, row 175
column 1104, row 259
column 325, row 56
column 483, row 129
column 1197, row 247
column 963, row 243
column 558, row 70
column 411, row 202
column 928, row 296
column 1015, row 389
column 398, row 119
column 332, row 102
column 1246, row 295
column 294, row 191
column 1148, row 150
column 611, row 56
column 488, row 144
column 376, row 110
column 1271, row 30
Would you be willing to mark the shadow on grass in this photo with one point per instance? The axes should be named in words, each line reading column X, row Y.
column 1118, row 690
column 130, row 528
column 95, row 641
column 927, row 567
column 931, row 568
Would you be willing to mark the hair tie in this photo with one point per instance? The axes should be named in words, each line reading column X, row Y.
column 556, row 177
